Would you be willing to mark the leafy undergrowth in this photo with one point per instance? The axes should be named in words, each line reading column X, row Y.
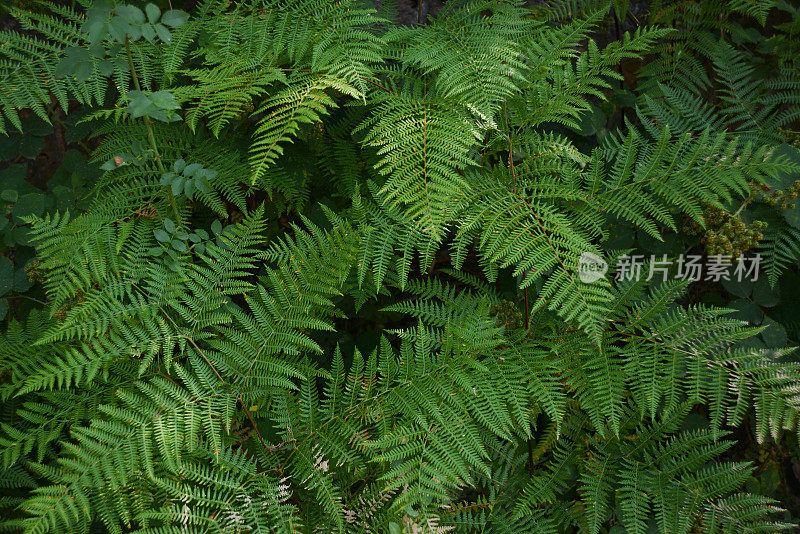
column 292, row 266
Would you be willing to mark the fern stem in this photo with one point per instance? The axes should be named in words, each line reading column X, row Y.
column 514, row 189
column 544, row 444
column 150, row 135
column 252, row 422
column 376, row 84
column 525, row 273
column 617, row 34
column 531, row 470
column 245, row 408
column 744, row 205
column 525, row 294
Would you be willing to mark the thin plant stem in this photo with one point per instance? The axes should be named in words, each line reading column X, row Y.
column 152, row 137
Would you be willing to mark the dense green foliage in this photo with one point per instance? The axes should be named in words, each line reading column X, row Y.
column 320, row 270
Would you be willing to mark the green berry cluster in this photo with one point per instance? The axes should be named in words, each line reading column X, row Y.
column 734, row 238
column 507, row 314
column 34, row 272
column 726, row 234
column 783, row 199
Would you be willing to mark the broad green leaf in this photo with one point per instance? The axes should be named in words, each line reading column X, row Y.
column 163, row 33
column 21, row 281
column 138, row 104
column 148, row 32
column 9, row 146
column 30, row 204
column 22, row 236
column 96, row 31
column 741, row 288
column 763, row 294
column 189, row 188
column 31, row 146
column 36, row 126
column 191, row 169
column 131, row 14
column 774, row 335
column 119, row 29
column 6, row 275
column 178, row 185
column 153, row 13
column 174, row 18
column 202, row 185
column 746, row 311
column 164, row 100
